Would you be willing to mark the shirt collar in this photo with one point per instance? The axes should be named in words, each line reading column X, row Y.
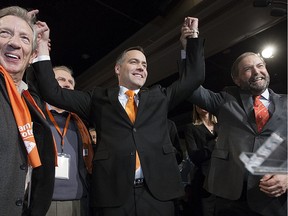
column 265, row 95
column 124, row 89
column 22, row 86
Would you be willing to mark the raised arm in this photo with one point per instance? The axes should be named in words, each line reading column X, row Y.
column 192, row 73
column 48, row 86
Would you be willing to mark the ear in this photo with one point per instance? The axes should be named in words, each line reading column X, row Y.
column 33, row 56
column 117, row 69
column 236, row 81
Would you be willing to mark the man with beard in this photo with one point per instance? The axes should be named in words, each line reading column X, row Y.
column 238, row 191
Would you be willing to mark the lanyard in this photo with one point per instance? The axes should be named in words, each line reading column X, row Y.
column 63, row 133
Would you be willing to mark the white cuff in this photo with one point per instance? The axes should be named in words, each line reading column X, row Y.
column 183, row 54
column 41, row 58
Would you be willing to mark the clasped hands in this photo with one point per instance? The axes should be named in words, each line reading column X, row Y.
column 189, row 29
column 274, row 185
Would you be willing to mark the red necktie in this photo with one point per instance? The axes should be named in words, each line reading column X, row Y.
column 131, row 110
column 261, row 113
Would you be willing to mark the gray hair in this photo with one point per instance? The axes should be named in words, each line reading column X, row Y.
column 67, row 69
column 22, row 14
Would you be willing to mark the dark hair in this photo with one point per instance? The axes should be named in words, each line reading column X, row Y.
column 120, row 58
column 234, row 68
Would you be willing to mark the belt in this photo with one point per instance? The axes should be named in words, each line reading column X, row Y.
column 139, row 182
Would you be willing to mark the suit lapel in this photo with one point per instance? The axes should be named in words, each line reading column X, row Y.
column 247, row 103
column 273, row 110
column 3, row 88
column 143, row 95
column 113, row 97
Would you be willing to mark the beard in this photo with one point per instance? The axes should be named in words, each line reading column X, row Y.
column 256, row 87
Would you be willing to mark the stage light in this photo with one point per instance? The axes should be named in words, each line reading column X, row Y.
column 268, row 52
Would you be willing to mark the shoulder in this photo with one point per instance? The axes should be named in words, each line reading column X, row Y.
column 278, row 98
column 155, row 89
column 190, row 127
column 231, row 90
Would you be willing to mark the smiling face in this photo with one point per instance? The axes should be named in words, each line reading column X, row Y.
column 132, row 70
column 16, row 39
column 252, row 75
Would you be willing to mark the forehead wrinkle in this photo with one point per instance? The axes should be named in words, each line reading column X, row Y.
column 19, row 28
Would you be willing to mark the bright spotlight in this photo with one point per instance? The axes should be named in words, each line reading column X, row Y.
column 268, row 52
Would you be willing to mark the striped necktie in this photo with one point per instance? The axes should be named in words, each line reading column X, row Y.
column 261, row 113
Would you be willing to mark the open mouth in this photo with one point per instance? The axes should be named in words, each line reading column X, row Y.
column 12, row 56
column 137, row 75
column 257, row 79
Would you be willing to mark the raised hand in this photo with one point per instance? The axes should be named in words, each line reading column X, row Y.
column 189, row 29
column 43, row 40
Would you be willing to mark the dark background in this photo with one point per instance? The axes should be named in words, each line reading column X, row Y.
column 87, row 36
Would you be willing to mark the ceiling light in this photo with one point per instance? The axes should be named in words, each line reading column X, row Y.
column 268, row 52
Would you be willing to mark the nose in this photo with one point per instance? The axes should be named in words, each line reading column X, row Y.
column 255, row 70
column 67, row 85
column 14, row 42
column 140, row 67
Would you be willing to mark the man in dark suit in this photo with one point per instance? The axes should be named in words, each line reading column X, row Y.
column 238, row 191
column 27, row 150
column 117, row 188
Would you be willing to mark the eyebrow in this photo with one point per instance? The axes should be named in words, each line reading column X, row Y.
column 138, row 60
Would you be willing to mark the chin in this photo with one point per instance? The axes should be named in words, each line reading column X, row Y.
column 139, row 84
column 258, row 89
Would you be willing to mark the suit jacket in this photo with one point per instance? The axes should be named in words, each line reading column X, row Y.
column 118, row 139
column 175, row 140
column 200, row 143
column 42, row 183
column 238, row 133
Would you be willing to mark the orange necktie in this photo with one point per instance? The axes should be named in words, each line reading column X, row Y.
column 131, row 110
column 261, row 113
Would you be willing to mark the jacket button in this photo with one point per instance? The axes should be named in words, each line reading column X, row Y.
column 19, row 202
column 134, row 129
column 23, row 166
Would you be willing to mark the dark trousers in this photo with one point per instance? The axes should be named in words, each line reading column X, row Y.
column 140, row 203
column 225, row 207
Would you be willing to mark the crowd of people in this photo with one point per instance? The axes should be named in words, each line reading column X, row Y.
column 113, row 151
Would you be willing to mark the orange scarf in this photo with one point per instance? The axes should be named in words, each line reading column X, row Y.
column 87, row 142
column 23, row 119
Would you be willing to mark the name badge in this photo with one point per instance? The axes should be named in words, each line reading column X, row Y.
column 85, row 152
column 62, row 171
